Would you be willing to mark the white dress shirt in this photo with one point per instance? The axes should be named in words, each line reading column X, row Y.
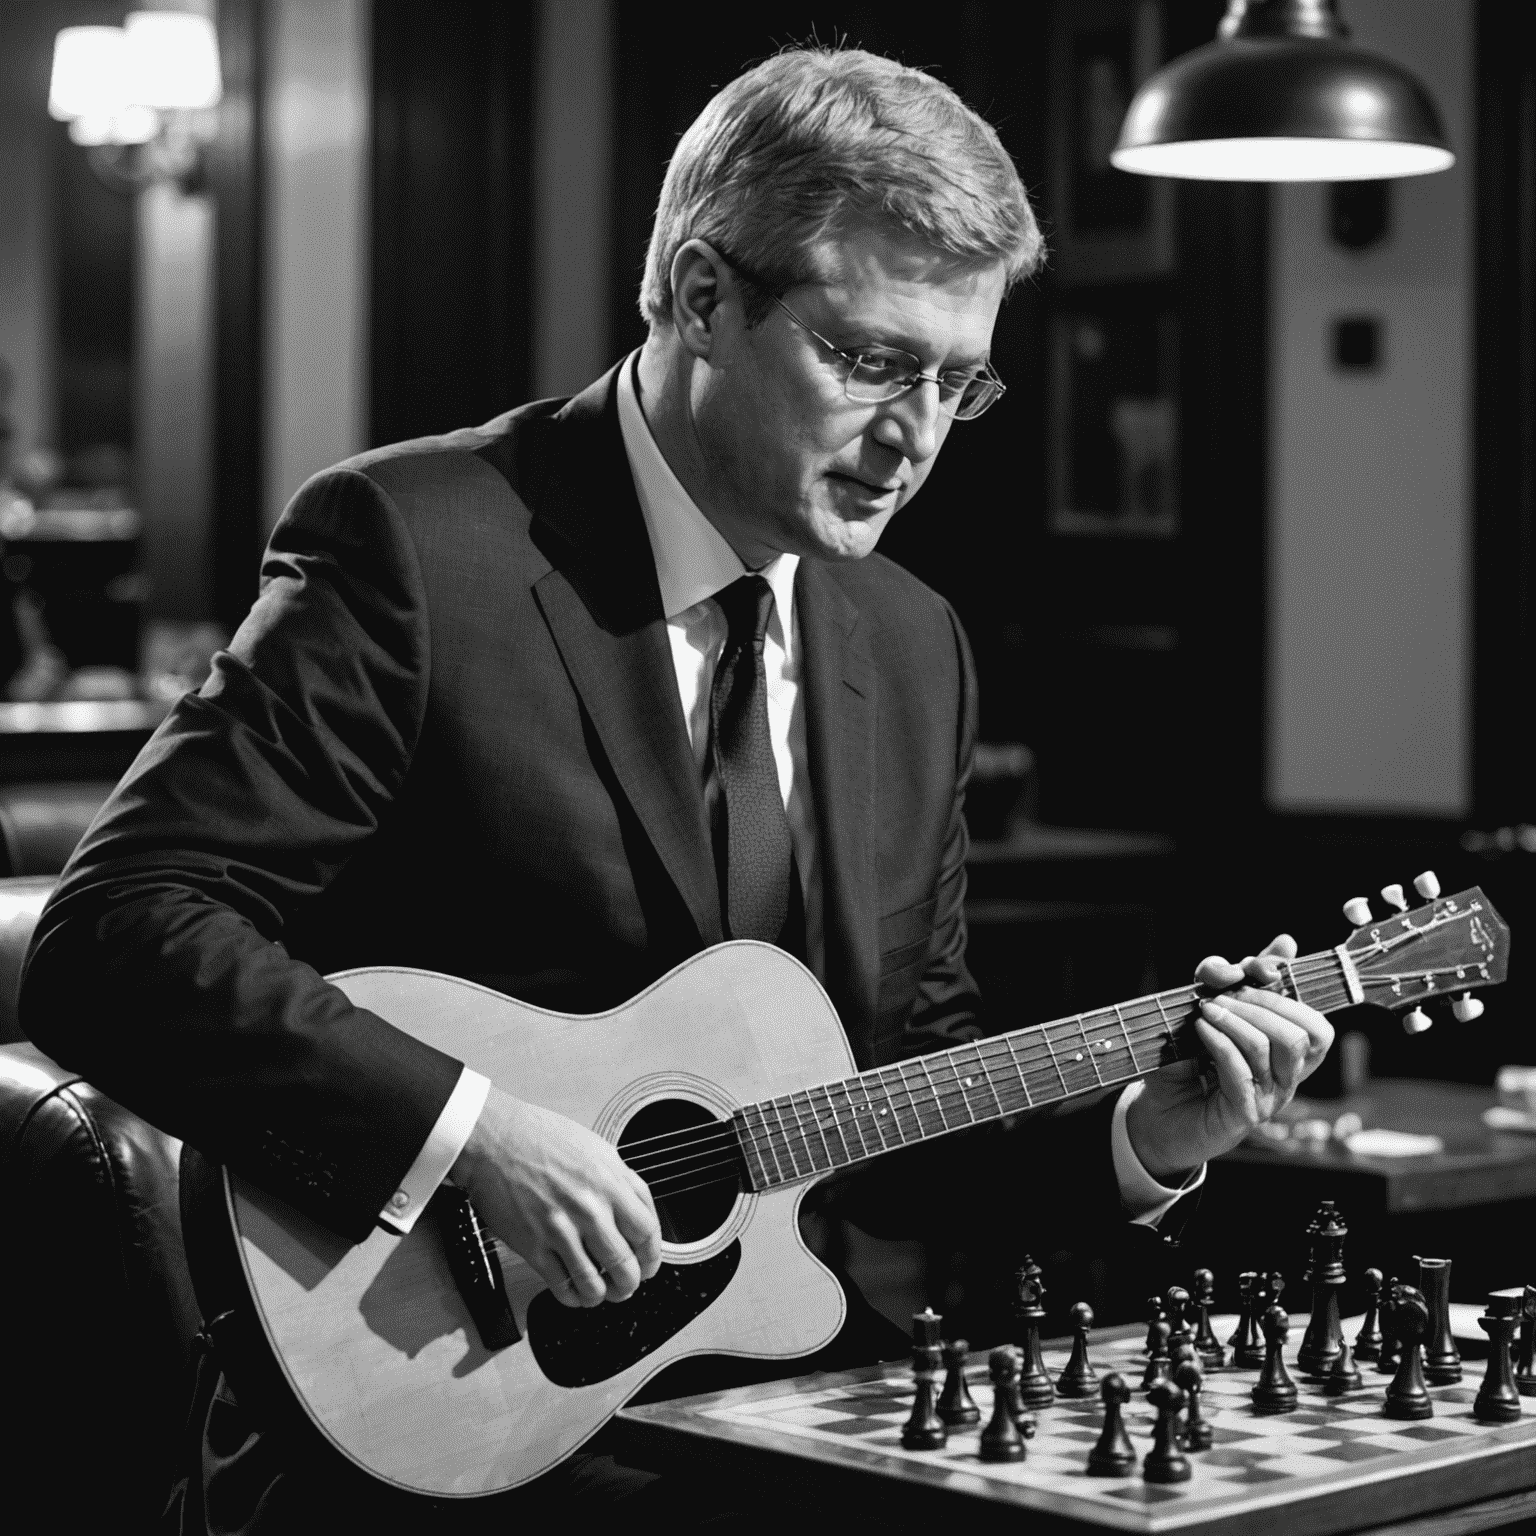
column 693, row 563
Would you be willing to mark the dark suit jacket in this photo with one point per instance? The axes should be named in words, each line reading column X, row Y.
column 448, row 736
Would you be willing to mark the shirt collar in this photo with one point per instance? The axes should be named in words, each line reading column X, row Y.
column 693, row 560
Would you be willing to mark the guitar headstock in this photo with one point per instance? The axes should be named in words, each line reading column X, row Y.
column 1449, row 946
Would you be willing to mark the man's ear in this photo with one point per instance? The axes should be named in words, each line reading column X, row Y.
column 701, row 281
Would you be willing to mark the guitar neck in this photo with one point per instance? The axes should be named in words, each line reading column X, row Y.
column 813, row 1131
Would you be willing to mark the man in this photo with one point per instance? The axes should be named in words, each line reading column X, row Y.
column 557, row 702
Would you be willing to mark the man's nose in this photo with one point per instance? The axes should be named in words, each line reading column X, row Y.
column 911, row 422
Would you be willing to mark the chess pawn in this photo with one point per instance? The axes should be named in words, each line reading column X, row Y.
column 1442, row 1360
column 1368, row 1340
column 1177, row 1302
column 1156, row 1313
column 1244, row 1335
column 956, row 1405
column 1113, row 1456
column 1198, row 1433
column 1275, row 1392
column 1079, row 1379
column 924, row 1429
column 1343, row 1375
column 1001, row 1440
column 1161, row 1363
column 1213, row 1354
column 1405, row 1316
column 1165, row 1462
column 1525, row 1368
column 1035, row 1389
column 1498, row 1401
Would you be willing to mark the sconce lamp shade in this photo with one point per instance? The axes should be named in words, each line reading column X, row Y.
column 173, row 60
column 1282, row 96
column 90, row 72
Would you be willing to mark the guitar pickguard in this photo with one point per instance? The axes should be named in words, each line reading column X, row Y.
column 577, row 1346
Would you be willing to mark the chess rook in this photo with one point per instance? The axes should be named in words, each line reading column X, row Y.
column 1442, row 1360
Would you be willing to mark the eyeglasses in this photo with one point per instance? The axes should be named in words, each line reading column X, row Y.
column 886, row 373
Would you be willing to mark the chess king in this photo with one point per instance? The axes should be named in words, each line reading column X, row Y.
column 554, row 703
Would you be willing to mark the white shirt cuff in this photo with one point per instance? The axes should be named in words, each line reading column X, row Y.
column 443, row 1144
column 1142, row 1199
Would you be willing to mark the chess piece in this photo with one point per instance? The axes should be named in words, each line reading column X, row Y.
column 1368, row 1340
column 1525, row 1368
column 1001, row 1440
column 1113, row 1456
column 1442, row 1360
column 1198, row 1433
column 1079, row 1379
column 1245, row 1335
column 1177, row 1301
column 924, row 1429
column 956, row 1405
column 1021, row 1414
column 1035, row 1389
column 1275, row 1392
column 1498, row 1400
column 1343, row 1375
column 1405, row 1316
column 1324, row 1338
column 1161, row 1362
column 1213, row 1354
column 1165, row 1462
column 1156, row 1313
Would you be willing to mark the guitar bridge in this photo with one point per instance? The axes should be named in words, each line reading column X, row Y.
column 475, row 1268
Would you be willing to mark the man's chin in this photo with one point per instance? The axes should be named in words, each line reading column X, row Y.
column 834, row 537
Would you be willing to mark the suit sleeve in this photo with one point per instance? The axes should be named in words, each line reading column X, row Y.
column 158, row 968
column 1058, row 1186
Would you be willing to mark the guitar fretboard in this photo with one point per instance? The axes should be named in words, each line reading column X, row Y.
column 815, row 1130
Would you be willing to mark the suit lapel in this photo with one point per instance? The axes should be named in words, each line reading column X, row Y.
column 603, row 608
column 841, row 702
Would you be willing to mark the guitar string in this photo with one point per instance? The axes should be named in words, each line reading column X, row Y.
column 724, row 1136
column 696, row 1139
column 704, row 1141
column 1309, row 966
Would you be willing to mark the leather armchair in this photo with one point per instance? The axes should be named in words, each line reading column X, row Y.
column 94, row 1289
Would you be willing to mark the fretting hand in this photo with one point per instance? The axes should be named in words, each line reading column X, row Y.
column 560, row 1196
column 1262, row 1045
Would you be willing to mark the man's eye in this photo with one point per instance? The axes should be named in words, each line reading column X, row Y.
column 880, row 369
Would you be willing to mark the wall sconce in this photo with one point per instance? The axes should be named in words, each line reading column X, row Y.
column 139, row 97
column 1282, row 95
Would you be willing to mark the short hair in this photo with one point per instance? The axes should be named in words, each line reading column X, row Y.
column 815, row 141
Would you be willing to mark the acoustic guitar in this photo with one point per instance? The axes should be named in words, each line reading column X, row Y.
column 440, row 1363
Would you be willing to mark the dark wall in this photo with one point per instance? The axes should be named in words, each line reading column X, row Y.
column 451, row 190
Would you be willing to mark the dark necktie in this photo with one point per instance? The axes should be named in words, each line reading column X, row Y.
column 753, row 856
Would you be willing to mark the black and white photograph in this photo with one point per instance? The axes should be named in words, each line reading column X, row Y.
column 767, row 769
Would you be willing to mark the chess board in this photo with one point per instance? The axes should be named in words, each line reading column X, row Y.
column 1336, row 1464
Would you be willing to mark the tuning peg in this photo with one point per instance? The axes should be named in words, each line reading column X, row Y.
column 1427, row 885
column 1416, row 1022
column 1358, row 910
column 1466, row 1008
column 1394, row 898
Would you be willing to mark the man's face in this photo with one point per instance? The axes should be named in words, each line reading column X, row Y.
column 791, row 464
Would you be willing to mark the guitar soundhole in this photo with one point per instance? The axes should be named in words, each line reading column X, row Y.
column 691, row 1162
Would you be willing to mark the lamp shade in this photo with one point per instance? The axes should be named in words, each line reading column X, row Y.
column 89, row 72
column 173, row 60
column 1282, row 108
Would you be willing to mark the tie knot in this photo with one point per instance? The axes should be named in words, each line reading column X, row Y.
column 748, row 605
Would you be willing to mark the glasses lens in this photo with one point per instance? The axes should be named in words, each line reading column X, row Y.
column 877, row 376
column 978, row 393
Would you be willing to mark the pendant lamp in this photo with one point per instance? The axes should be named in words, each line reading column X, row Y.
column 1282, row 95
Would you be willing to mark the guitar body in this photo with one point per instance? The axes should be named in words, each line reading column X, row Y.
column 375, row 1340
